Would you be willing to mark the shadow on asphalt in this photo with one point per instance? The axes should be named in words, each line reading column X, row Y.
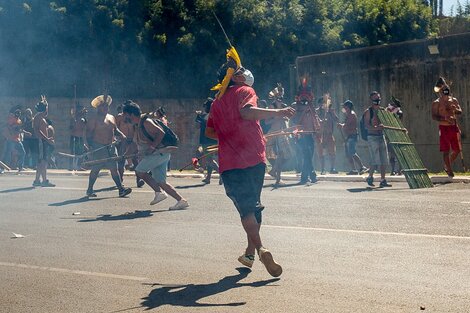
column 190, row 294
column 274, row 186
column 366, row 189
column 17, row 189
column 85, row 198
column 75, row 201
column 190, row 186
column 121, row 217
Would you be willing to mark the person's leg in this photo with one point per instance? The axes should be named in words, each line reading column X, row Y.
column 373, row 146
column 149, row 180
column 332, row 163
column 311, row 152
column 159, row 175
column 392, row 164
column 72, row 161
column 7, row 149
column 92, row 179
column 27, row 150
column 322, row 163
column 44, row 170
column 272, row 161
column 121, row 148
column 352, row 166
column 116, row 177
column 447, row 164
column 358, row 161
column 120, row 169
column 456, row 146
column 209, row 168
column 382, row 171
column 169, row 189
column 384, row 158
column 453, row 156
column 37, row 180
column 252, row 228
column 306, row 160
column 279, row 167
column 21, row 154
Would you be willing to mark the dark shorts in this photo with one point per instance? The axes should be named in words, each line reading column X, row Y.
column 244, row 187
column 104, row 152
column 351, row 143
column 44, row 150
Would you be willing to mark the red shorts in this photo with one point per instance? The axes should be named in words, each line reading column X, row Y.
column 449, row 138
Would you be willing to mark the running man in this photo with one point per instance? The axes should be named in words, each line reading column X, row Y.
column 155, row 156
column 234, row 122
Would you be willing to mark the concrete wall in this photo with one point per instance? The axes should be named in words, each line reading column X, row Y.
column 405, row 70
column 180, row 114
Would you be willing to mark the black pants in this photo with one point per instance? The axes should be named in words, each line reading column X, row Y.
column 307, row 144
column 76, row 148
column 31, row 149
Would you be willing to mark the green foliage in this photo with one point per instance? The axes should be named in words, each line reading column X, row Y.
column 163, row 48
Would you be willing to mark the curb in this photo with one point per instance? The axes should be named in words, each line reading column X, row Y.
column 436, row 179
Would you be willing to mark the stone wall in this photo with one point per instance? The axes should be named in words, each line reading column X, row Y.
column 405, row 70
column 180, row 113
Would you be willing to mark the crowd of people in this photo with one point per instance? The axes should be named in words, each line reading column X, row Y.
column 239, row 135
column 305, row 139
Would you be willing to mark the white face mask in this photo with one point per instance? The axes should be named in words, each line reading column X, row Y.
column 249, row 79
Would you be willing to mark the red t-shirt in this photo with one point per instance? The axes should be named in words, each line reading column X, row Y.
column 241, row 142
column 14, row 124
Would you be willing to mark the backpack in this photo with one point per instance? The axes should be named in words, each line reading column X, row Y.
column 169, row 138
column 362, row 125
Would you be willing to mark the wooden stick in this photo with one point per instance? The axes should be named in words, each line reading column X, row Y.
column 5, row 166
column 198, row 159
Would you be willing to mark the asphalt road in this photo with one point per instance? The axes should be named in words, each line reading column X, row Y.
column 343, row 247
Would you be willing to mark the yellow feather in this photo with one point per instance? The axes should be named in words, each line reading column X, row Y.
column 232, row 53
column 225, row 82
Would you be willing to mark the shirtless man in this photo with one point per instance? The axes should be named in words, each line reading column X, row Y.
column 127, row 147
column 99, row 137
column 40, row 131
column 445, row 110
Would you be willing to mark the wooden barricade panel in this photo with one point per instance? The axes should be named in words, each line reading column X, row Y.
column 407, row 156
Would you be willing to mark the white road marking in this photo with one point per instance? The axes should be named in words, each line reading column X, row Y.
column 372, row 232
column 68, row 271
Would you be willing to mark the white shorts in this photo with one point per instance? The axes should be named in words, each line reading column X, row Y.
column 156, row 163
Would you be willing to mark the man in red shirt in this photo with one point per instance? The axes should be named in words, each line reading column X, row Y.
column 234, row 122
